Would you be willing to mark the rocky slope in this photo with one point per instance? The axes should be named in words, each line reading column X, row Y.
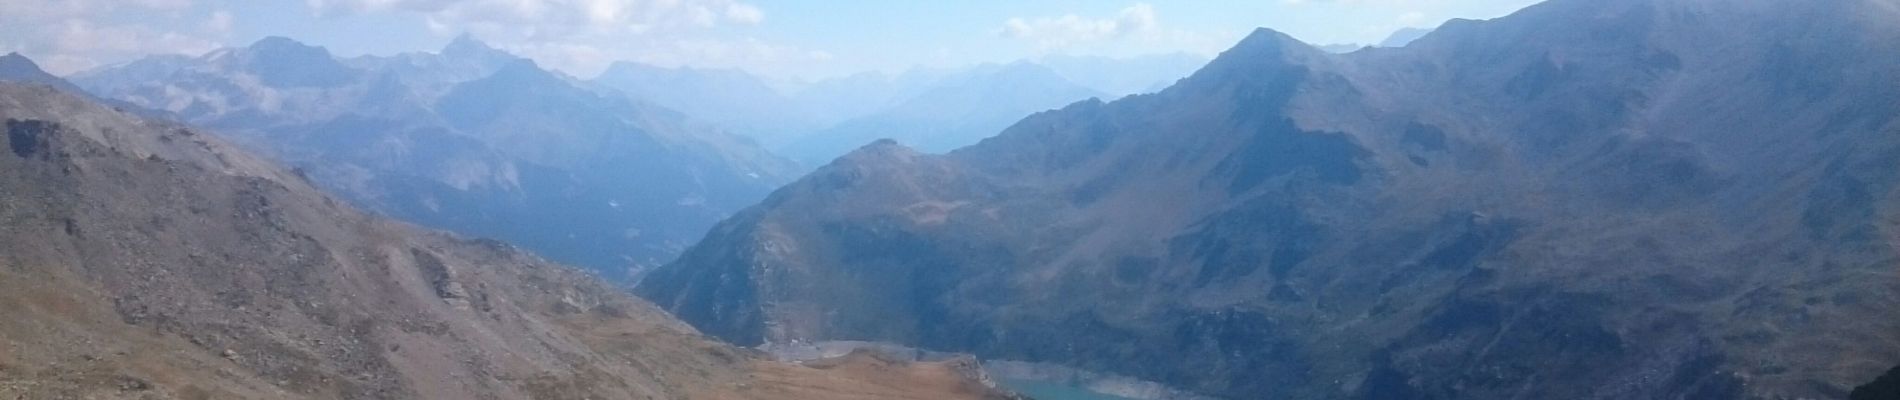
column 1586, row 199
column 146, row 260
column 469, row 139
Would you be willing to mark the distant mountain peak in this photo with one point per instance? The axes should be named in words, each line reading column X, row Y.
column 287, row 50
column 1264, row 46
column 465, row 41
column 15, row 62
column 1404, row 36
column 1268, row 41
column 286, row 62
column 466, row 45
column 280, row 44
column 1026, row 72
column 1264, row 56
column 18, row 68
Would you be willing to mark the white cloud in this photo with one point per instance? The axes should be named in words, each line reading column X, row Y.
column 744, row 13
column 67, row 36
column 1379, row 3
column 45, row 9
column 1411, row 18
column 1071, row 29
column 551, row 19
column 164, row 4
column 582, row 37
column 219, row 22
column 79, row 44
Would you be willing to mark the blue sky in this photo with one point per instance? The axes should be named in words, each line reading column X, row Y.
column 782, row 38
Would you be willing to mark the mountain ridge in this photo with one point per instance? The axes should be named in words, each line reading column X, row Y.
column 957, row 110
column 445, row 139
column 1584, row 199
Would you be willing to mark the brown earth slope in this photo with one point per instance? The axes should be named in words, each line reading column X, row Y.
column 141, row 259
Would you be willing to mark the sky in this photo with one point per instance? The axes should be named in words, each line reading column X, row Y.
column 788, row 39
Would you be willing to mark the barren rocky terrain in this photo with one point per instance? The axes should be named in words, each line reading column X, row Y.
column 142, row 259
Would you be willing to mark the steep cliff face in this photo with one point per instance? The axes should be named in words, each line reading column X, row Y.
column 144, row 259
column 1586, row 199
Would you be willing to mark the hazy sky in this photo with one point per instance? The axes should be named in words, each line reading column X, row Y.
column 785, row 38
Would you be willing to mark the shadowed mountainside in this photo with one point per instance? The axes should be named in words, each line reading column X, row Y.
column 1585, row 199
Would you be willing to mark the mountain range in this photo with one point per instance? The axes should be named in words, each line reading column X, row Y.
column 955, row 111
column 731, row 99
column 470, row 139
column 936, row 109
column 1585, row 199
column 617, row 174
column 1404, row 36
column 1119, row 77
column 145, row 259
